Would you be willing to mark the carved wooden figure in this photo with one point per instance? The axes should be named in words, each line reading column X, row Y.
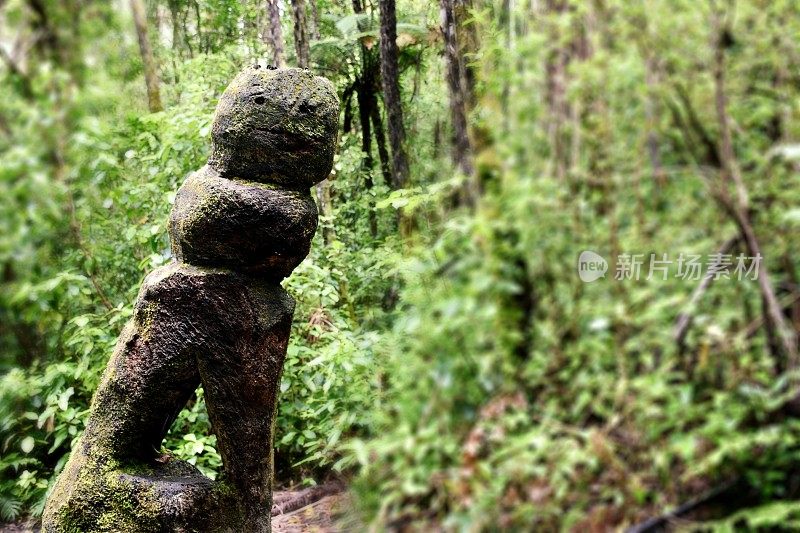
column 217, row 315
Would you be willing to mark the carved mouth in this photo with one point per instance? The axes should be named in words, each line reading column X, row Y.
column 286, row 139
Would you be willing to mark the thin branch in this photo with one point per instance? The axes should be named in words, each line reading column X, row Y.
column 662, row 522
column 27, row 90
column 686, row 317
column 5, row 128
column 75, row 229
column 711, row 156
column 739, row 209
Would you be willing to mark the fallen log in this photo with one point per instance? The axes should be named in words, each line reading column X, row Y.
column 299, row 499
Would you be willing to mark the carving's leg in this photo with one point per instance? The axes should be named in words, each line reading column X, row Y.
column 116, row 479
column 241, row 373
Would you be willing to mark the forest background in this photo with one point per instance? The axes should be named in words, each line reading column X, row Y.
column 447, row 360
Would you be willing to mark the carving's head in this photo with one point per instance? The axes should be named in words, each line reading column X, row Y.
column 276, row 126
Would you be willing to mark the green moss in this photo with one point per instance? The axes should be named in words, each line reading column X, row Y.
column 145, row 319
column 206, row 202
column 93, row 495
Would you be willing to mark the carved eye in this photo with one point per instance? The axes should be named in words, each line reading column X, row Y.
column 259, row 100
column 307, row 107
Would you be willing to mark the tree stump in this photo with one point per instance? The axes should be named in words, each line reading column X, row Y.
column 215, row 316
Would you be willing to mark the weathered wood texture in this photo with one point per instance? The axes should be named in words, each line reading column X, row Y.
column 216, row 316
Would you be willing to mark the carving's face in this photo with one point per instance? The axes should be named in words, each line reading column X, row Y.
column 276, row 126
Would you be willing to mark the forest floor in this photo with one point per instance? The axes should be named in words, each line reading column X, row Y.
column 327, row 515
column 321, row 509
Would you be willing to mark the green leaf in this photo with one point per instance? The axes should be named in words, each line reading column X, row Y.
column 27, row 444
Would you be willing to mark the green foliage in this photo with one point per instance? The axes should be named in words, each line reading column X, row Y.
column 778, row 515
column 462, row 375
column 198, row 448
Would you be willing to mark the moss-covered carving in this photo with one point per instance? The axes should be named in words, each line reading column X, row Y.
column 247, row 226
column 276, row 126
column 217, row 316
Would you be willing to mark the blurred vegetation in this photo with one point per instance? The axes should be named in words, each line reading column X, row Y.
column 445, row 357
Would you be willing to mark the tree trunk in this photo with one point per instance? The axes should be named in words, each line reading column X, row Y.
column 365, row 104
column 48, row 41
column 391, row 93
column 366, row 96
column 302, row 51
column 462, row 146
column 300, row 33
column 315, row 20
column 323, row 190
column 150, row 73
column 651, row 118
column 185, row 32
column 467, row 39
column 274, row 35
column 347, row 104
column 198, row 19
column 380, row 141
column 177, row 38
column 505, row 22
column 555, row 83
